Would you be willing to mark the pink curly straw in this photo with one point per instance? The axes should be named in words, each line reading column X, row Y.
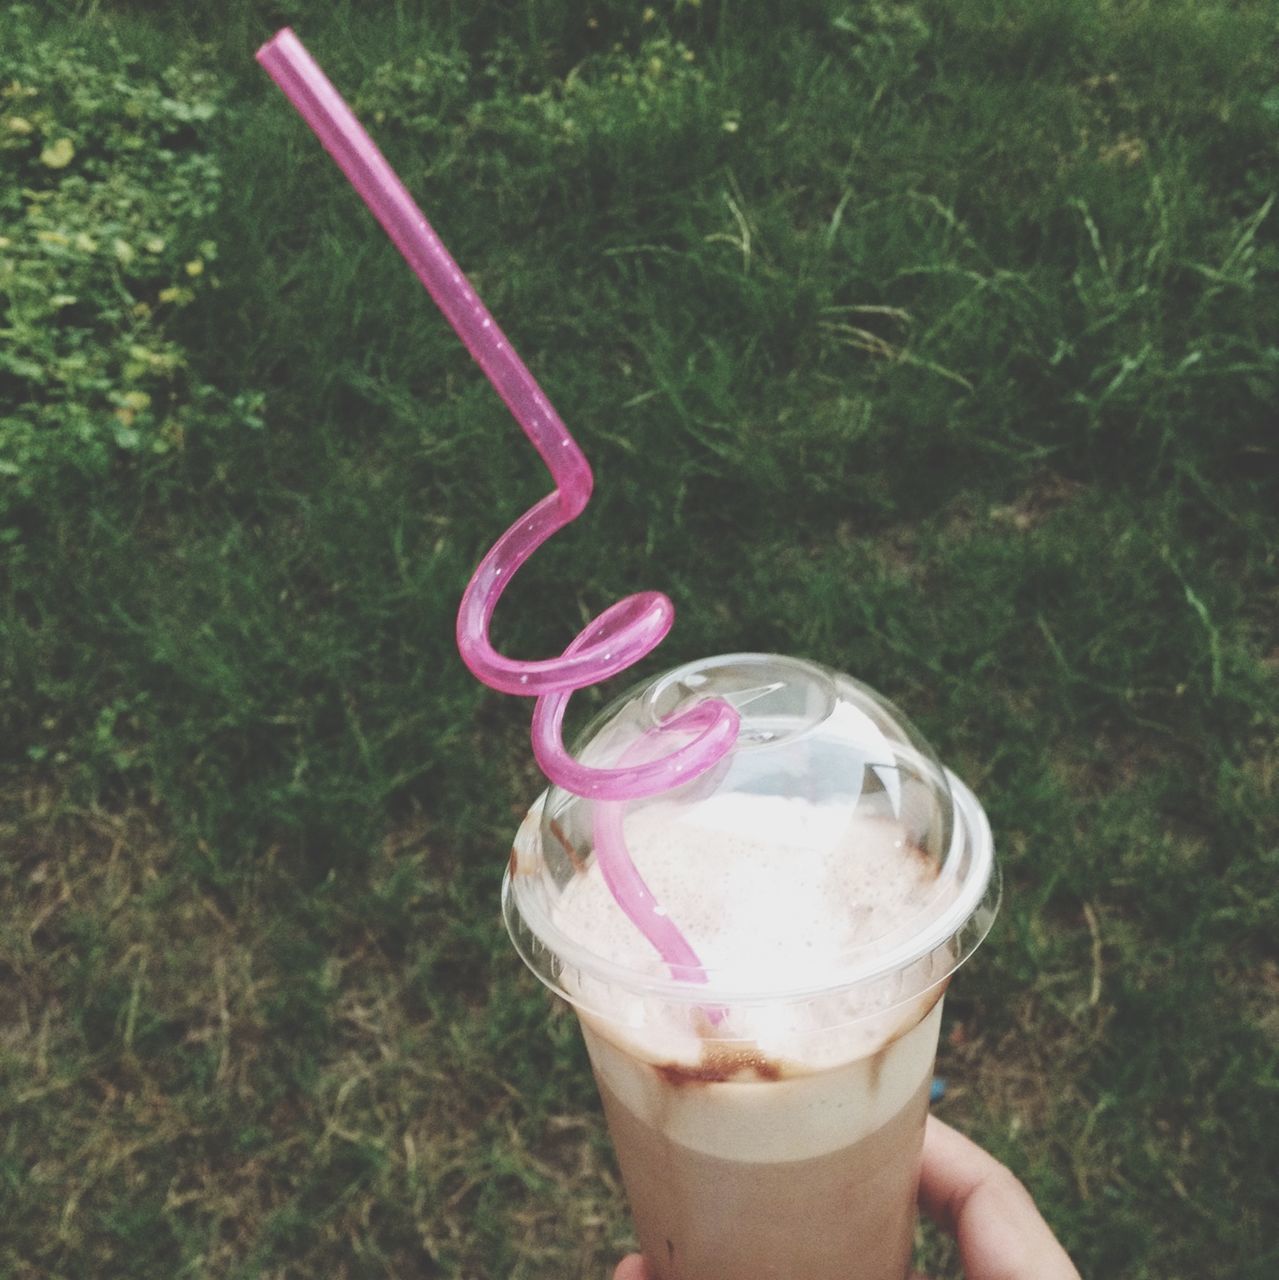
column 625, row 632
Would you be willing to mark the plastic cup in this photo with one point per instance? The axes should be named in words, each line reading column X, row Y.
column 768, row 1110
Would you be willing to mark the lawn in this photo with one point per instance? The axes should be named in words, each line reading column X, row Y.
column 938, row 342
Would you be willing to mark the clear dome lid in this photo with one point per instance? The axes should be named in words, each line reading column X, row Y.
column 829, row 845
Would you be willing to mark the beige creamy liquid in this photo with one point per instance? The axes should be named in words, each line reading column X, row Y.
column 784, row 1142
column 805, row 1177
column 847, row 1215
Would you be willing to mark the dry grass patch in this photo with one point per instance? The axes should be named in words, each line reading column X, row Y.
column 221, row 1081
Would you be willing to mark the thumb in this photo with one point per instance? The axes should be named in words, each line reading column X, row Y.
column 1001, row 1233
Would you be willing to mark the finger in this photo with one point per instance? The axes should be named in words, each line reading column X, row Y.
column 631, row 1268
column 1001, row 1234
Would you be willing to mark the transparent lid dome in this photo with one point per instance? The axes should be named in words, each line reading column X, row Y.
column 829, row 841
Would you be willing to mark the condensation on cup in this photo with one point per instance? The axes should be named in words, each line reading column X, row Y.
column 767, row 1109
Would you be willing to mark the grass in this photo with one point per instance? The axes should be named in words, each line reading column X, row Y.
column 934, row 341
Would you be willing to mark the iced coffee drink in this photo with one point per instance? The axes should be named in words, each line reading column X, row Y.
column 755, row 927
column 768, row 1110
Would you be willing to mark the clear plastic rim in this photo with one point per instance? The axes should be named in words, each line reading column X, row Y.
column 970, row 917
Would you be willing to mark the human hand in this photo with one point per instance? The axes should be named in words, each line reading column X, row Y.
column 967, row 1192
column 1001, row 1233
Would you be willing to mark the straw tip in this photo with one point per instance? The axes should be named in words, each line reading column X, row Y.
column 282, row 37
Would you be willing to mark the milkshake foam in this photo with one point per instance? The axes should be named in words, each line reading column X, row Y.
column 778, row 892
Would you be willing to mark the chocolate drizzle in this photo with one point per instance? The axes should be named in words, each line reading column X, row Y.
column 880, row 1056
column 567, row 845
column 719, row 1065
column 745, row 1064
